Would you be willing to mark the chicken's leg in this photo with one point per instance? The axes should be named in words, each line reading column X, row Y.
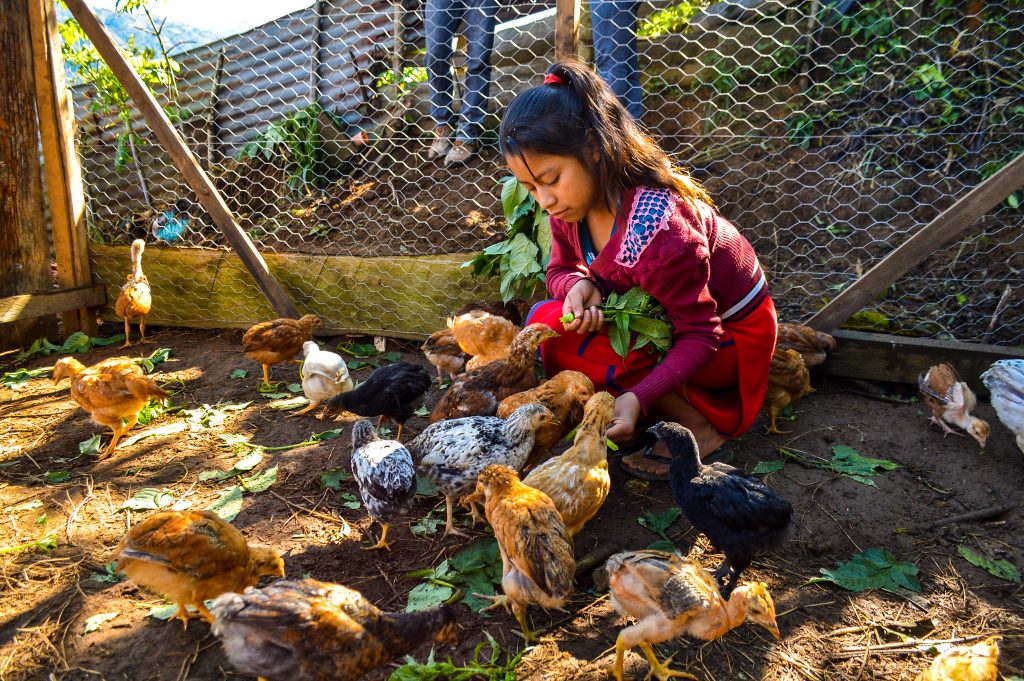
column 773, row 415
column 946, row 430
column 310, row 407
column 520, row 612
column 449, row 526
column 127, row 334
column 399, row 435
column 382, row 543
column 142, row 330
column 266, row 374
column 660, row 670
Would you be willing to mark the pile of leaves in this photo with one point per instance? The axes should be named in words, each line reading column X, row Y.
column 474, row 570
column 479, row 667
column 635, row 320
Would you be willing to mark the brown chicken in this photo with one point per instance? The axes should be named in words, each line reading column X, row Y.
column 136, row 299
column 670, row 596
column 192, row 556
column 978, row 662
column 564, row 394
column 951, row 402
column 483, row 336
column 314, row 631
column 113, row 391
column 812, row 345
column 536, row 549
column 513, row 310
column 788, row 381
column 443, row 351
column 278, row 341
column 479, row 392
column 577, row 480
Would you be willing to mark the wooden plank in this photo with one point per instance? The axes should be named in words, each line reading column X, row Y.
column 63, row 173
column 955, row 219
column 900, row 359
column 183, row 159
column 567, row 29
column 30, row 305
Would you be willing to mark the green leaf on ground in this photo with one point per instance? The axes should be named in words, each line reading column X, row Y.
column 351, row 501
column 54, row 477
column 474, row 570
column 45, row 543
column 25, row 506
column 19, row 378
column 326, row 435
column 90, row 447
column 765, row 467
column 148, row 499
column 849, row 462
column 206, row 416
column 77, row 342
column 291, row 403
column 333, row 477
column 393, row 357
column 357, row 364
column 480, row 668
column 425, row 487
column 426, row 525
column 159, row 356
column 110, row 340
column 873, row 568
column 228, row 505
column 166, row 429
column 239, row 373
column 662, row 545
column 39, row 347
column 658, row 523
column 361, row 350
column 1003, row 569
column 96, row 621
column 421, row 411
column 110, row 574
column 163, row 612
column 260, row 482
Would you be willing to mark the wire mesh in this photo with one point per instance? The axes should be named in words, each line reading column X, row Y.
column 829, row 131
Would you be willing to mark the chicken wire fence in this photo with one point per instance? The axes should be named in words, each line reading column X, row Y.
column 829, row 131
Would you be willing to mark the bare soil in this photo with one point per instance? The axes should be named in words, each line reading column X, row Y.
column 826, row 632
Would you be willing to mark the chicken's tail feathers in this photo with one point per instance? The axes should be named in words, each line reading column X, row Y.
column 135, row 554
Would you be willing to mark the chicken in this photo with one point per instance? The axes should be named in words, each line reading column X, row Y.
column 452, row 453
column 788, row 381
column 113, row 391
column 324, row 374
column 483, row 336
column 479, row 392
column 670, row 596
column 513, row 310
column 192, row 556
column 812, row 345
column 1005, row 380
column 305, row 630
column 278, row 341
column 564, row 394
column 978, row 662
column 443, row 351
column 951, row 401
column 389, row 392
column 577, row 480
column 741, row 516
column 536, row 550
column 136, row 298
column 384, row 471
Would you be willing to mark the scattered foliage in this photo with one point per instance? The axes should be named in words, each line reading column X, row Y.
column 849, row 462
column 1003, row 569
column 96, row 621
column 478, row 668
column 474, row 570
column 658, row 523
column 228, row 504
column 90, row 447
column 333, row 477
column 148, row 499
column 765, row 467
column 110, row 574
column 44, row 544
column 872, row 568
column 19, row 378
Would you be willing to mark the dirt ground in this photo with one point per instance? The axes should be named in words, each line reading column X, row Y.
column 827, row 633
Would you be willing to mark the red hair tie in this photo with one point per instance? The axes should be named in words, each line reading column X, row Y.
column 553, row 79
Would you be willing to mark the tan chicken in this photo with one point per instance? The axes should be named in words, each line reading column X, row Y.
column 443, row 351
column 951, row 402
column 113, row 391
column 577, row 480
column 977, row 662
column 536, row 549
column 307, row 630
column 278, row 341
column 483, row 336
column 513, row 310
column 669, row 596
column 136, row 298
column 564, row 394
column 812, row 345
column 788, row 381
column 192, row 556
column 479, row 392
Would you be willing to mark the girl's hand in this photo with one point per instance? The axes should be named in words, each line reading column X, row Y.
column 584, row 302
column 627, row 411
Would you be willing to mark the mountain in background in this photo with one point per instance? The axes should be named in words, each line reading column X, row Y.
column 177, row 37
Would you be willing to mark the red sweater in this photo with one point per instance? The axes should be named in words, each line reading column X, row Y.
column 696, row 264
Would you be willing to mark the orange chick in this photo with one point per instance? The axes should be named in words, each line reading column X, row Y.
column 443, row 351
column 536, row 550
column 307, row 630
column 136, row 298
column 812, row 345
column 192, row 556
column 577, row 480
column 977, row 662
column 951, row 402
column 278, row 341
column 483, row 336
column 788, row 381
column 669, row 596
column 564, row 394
column 113, row 391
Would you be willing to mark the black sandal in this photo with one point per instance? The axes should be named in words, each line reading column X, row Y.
column 724, row 454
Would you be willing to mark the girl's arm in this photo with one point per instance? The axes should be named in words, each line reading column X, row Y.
column 566, row 266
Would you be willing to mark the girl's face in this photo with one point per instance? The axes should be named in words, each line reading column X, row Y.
column 563, row 186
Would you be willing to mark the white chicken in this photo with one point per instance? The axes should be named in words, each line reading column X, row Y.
column 324, row 374
column 1005, row 380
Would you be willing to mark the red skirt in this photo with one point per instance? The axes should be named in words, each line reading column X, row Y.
column 729, row 390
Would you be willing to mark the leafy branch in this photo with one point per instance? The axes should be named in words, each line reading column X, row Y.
column 634, row 312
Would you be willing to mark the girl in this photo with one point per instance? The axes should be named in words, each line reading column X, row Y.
column 623, row 216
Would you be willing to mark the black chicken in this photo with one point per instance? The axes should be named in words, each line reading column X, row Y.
column 388, row 392
column 741, row 516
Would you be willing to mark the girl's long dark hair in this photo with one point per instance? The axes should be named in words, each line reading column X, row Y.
column 581, row 115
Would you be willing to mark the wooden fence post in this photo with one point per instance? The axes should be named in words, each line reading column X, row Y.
column 567, row 29
column 24, row 251
column 60, row 162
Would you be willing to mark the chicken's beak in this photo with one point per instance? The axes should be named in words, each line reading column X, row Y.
column 774, row 628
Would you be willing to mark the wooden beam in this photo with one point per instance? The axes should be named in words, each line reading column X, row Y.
column 31, row 305
column 955, row 219
column 60, row 163
column 183, row 159
column 900, row 359
column 567, row 29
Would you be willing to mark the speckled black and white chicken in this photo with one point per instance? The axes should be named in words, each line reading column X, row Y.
column 1005, row 380
column 384, row 471
column 452, row 453
column 324, row 374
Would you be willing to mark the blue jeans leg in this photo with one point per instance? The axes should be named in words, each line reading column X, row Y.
column 615, row 52
column 440, row 21
column 480, row 17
